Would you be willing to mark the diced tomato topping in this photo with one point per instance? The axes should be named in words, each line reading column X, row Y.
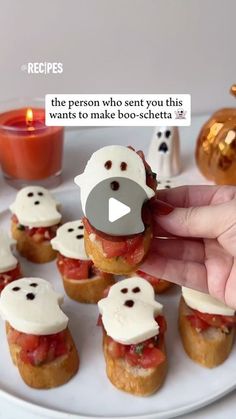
column 76, row 268
column 150, row 278
column 146, row 354
column 129, row 247
column 9, row 276
column 197, row 323
column 37, row 350
column 73, row 268
column 216, row 320
column 38, row 234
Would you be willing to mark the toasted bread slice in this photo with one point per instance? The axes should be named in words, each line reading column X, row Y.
column 27, row 247
column 87, row 290
column 135, row 380
column 51, row 374
column 208, row 348
column 114, row 265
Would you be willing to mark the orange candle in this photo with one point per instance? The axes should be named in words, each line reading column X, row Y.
column 29, row 150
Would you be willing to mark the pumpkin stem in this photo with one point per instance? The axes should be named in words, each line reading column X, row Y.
column 233, row 90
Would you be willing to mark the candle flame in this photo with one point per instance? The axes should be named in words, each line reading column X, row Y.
column 29, row 116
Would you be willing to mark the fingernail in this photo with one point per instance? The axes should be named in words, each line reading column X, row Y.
column 162, row 208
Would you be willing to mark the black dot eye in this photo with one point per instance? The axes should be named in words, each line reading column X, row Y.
column 70, row 230
column 167, row 187
column 16, row 289
column 123, row 166
column 108, row 164
column 80, row 236
column 136, row 289
column 81, row 227
column 114, row 185
column 159, row 134
column 168, row 133
column 33, row 284
column 129, row 303
column 124, row 290
column 36, row 203
column 30, row 296
column 40, row 193
column 30, row 194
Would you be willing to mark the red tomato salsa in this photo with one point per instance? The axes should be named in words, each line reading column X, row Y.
column 38, row 350
column 146, row 354
column 9, row 276
column 203, row 321
column 38, row 234
column 76, row 268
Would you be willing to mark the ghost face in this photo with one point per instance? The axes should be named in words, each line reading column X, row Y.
column 35, row 207
column 111, row 162
column 163, row 155
column 69, row 240
column 31, row 305
column 7, row 259
column 129, row 310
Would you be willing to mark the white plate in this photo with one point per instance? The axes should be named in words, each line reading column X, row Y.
column 90, row 394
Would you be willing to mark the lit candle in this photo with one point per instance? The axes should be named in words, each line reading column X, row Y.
column 29, row 150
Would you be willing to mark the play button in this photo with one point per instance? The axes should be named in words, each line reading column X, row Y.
column 114, row 206
column 117, row 210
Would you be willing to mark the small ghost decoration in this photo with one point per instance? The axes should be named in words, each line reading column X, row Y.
column 34, row 206
column 164, row 152
column 69, row 240
column 112, row 162
column 7, row 259
column 31, row 306
column 129, row 311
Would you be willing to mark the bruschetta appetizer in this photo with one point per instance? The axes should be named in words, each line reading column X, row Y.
column 39, row 340
column 82, row 281
column 35, row 221
column 133, row 337
column 9, row 265
column 119, row 253
column 159, row 285
column 207, row 328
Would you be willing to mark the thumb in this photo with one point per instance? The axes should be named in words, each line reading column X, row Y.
column 204, row 222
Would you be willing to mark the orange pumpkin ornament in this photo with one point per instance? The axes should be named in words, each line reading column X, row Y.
column 216, row 146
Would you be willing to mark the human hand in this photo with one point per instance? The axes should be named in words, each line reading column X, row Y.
column 200, row 249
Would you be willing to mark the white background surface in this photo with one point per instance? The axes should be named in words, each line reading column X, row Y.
column 120, row 46
column 79, row 144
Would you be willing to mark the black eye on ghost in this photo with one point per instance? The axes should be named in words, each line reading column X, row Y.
column 31, row 194
column 108, row 165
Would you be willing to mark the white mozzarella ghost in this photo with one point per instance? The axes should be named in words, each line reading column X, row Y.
column 7, row 259
column 164, row 152
column 34, row 206
column 32, row 306
column 129, row 311
column 205, row 303
column 108, row 162
column 69, row 240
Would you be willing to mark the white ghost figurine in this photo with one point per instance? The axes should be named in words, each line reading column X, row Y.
column 112, row 161
column 7, row 259
column 69, row 240
column 34, row 206
column 32, row 306
column 129, row 311
column 164, row 152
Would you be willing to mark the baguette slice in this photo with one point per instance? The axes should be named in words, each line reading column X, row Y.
column 208, row 348
column 51, row 374
column 114, row 265
column 87, row 290
column 135, row 380
column 27, row 247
